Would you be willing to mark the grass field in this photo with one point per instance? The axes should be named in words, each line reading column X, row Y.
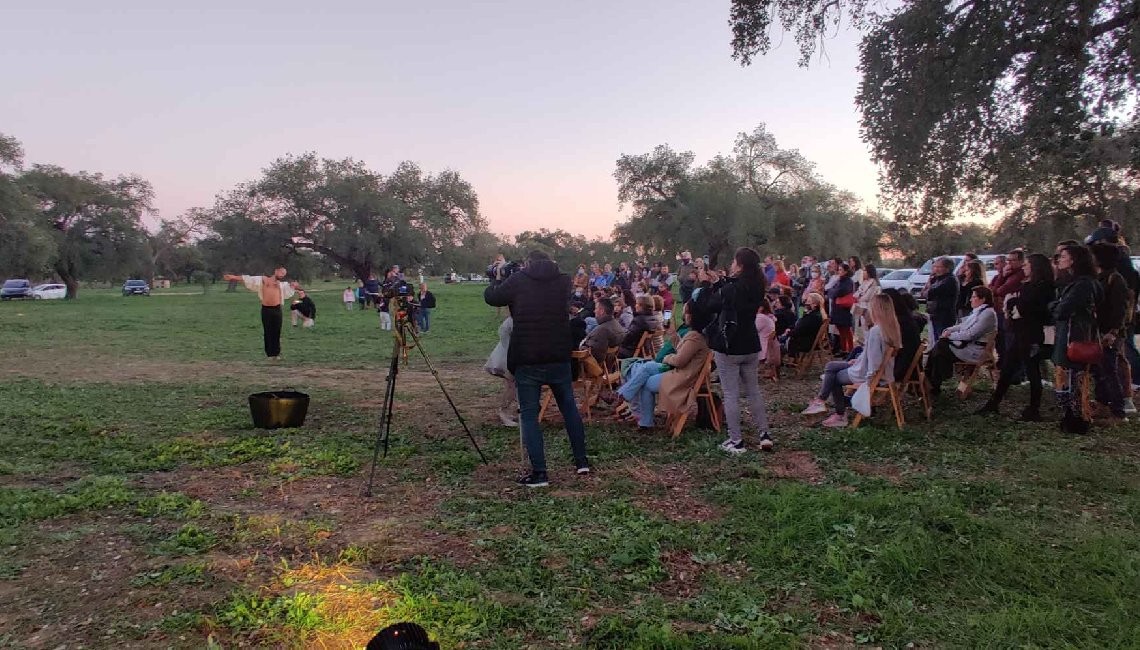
column 140, row 508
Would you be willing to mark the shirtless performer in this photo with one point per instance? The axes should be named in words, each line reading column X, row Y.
column 272, row 290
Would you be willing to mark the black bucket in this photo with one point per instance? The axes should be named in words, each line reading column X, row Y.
column 281, row 409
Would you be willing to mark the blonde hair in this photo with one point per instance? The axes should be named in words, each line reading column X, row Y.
column 780, row 265
column 816, row 299
column 883, row 316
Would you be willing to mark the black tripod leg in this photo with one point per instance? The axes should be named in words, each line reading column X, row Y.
column 447, row 396
column 383, row 432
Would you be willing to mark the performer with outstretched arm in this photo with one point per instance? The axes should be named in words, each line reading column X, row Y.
column 273, row 291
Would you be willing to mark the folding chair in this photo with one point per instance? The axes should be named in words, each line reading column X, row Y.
column 701, row 389
column 915, row 380
column 650, row 344
column 890, row 390
column 591, row 387
column 612, row 367
column 969, row 371
column 770, row 369
column 819, row 347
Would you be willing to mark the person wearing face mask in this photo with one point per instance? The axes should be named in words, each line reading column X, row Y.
column 816, row 283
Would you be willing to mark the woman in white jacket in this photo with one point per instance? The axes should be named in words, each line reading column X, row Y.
column 965, row 341
column 864, row 294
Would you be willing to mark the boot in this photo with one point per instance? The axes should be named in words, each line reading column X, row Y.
column 1031, row 414
column 989, row 408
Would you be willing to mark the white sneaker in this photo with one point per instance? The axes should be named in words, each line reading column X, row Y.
column 1129, row 406
column 766, row 443
column 726, row 444
column 816, row 407
column 734, row 448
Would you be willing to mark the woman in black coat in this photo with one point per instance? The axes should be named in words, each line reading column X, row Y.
column 1074, row 319
column 738, row 358
column 1026, row 315
column 807, row 327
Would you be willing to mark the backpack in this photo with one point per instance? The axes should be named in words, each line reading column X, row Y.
column 719, row 332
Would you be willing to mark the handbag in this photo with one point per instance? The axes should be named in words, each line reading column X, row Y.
column 845, row 302
column 719, row 332
column 1088, row 352
column 861, row 400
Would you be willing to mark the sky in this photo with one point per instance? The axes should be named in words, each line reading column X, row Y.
column 532, row 102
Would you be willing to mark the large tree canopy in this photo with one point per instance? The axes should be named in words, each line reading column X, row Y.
column 85, row 226
column 761, row 196
column 357, row 218
column 1026, row 104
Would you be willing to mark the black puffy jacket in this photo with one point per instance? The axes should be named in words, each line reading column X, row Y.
column 539, row 298
column 744, row 339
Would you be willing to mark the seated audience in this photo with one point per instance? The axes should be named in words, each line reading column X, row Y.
column 644, row 320
column 672, row 379
column 785, row 315
column 803, row 335
column 765, row 327
column 965, row 341
column 884, row 334
column 607, row 334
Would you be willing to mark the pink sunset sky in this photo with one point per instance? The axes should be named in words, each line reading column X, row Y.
column 532, row 102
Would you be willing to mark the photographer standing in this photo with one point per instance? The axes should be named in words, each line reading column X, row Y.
column 538, row 296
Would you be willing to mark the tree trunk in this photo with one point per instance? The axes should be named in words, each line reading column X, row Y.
column 68, row 278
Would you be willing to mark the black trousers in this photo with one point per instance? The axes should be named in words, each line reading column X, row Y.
column 271, row 325
column 1020, row 353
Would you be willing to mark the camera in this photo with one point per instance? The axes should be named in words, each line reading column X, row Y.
column 499, row 271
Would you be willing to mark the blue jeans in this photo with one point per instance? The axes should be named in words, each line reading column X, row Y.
column 647, row 400
column 1132, row 354
column 529, row 381
column 637, row 378
column 423, row 319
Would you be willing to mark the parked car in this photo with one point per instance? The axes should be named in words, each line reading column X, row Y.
column 49, row 291
column 899, row 279
column 16, row 288
column 452, row 278
column 136, row 288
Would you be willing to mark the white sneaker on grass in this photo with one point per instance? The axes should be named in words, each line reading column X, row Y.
column 1129, row 406
column 815, row 407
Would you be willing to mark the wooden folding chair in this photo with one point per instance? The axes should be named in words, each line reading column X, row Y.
column 591, row 387
column 650, row 344
column 915, row 381
column 819, row 348
column 891, row 390
column 612, row 367
column 770, row 369
column 701, row 389
column 969, row 371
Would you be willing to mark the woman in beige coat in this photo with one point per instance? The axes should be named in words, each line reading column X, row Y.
column 673, row 385
column 864, row 295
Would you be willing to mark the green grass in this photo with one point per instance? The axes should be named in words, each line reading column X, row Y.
column 127, row 441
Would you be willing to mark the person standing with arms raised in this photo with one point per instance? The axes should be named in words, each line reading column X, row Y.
column 731, row 305
column 538, row 296
column 272, row 290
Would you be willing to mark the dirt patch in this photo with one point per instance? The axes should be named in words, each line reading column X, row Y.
column 889, row 472
column 669, row 490
column 684, row 579
column 795, row 465
column 76, row 589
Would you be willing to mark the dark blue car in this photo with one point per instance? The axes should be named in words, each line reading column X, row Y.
column 16, row 288
column 136, row 288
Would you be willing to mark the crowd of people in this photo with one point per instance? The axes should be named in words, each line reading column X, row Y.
column 1075, row 309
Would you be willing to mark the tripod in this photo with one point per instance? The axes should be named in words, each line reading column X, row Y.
column 404, row 331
